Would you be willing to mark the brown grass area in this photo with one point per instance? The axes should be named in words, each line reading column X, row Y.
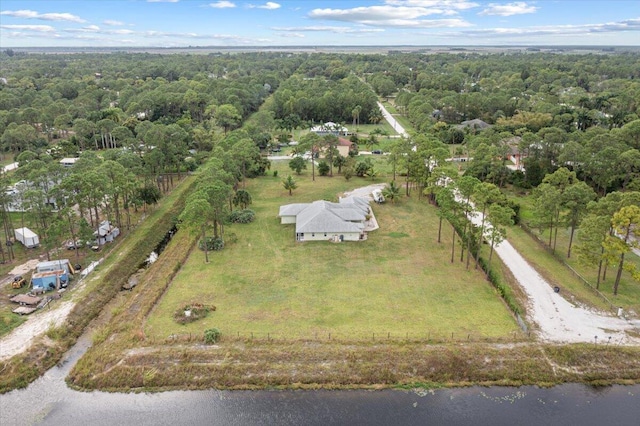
column 245, row 364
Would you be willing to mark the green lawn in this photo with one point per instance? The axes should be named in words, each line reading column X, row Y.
column 399, row 281
column 365, row 129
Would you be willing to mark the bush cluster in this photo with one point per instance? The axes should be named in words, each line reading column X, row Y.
column 211, row 335
column 242, row 216
column 211, row 244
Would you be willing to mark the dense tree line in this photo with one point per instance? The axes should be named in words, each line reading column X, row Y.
column 136, row 121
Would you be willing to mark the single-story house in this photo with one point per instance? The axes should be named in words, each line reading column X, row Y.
column 475, row 124
column 330, row 128
column 68, row 162
column 345, row 146
column 327, row 221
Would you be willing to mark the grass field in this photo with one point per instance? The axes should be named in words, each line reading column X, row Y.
column 399, row 281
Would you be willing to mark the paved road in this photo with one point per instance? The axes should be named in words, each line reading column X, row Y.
column 392, row 121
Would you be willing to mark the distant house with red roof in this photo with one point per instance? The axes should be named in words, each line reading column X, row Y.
column 345, row 146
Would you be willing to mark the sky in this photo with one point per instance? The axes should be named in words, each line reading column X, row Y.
column 181, row 23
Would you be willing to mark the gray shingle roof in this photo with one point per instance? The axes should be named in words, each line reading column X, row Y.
column 324, row 216
column 292, row 209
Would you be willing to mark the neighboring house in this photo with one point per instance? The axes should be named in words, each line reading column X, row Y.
column 68, row 162
column 15, row 196
column 345, row 146
column 327, row 221
column 514, row 154
column 330, row 128
column 475, row 124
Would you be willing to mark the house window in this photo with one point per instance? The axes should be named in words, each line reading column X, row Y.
column 313, row 234
column 325, row 234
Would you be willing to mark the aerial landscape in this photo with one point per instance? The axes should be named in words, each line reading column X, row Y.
column 308, row 212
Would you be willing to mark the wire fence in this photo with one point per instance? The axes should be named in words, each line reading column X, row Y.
column 341, row 337
column 575, row 273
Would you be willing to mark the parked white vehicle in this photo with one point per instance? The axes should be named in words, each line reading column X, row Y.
column 377, row 196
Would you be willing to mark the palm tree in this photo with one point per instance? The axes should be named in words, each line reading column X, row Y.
column 371, row 141
column 391, row 192
column 356, row 116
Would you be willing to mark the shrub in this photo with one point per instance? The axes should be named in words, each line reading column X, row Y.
column 242, row 216
column 275, row 173
column 212, row 244
column 323, row 168
column 503, row 290
column 211, row 335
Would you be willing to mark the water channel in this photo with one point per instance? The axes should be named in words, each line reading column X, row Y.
column 48, row 401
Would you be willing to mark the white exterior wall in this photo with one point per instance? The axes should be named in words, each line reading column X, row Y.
column 319, row 236
column 285, row 220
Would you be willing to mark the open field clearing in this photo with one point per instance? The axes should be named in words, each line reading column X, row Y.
column 399, row 281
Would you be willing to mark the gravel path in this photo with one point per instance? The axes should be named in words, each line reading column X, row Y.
column 555, row 318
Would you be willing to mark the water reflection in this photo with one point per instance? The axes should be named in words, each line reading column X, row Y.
column 49, row 401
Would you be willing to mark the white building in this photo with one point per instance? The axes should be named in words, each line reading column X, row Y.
column 327, row 221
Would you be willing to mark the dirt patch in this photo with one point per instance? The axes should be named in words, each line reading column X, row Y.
column 22, row 337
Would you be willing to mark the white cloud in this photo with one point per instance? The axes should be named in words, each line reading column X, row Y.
column 289, row 35
column 222, row 4
column 509, row 9
column 36, row 28
column 389, row 16
column 320, row 28
column 629, row 25
column 113, row 23
column 122, row 32
column 268, row 5
column 31, row 14
column 444, row 4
